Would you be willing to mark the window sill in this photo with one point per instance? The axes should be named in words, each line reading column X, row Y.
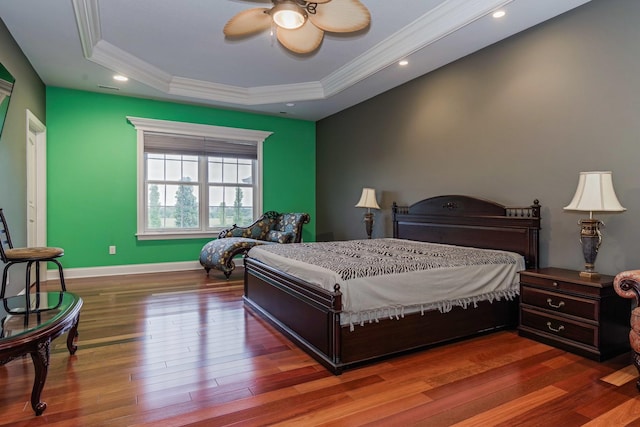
column 175, row 236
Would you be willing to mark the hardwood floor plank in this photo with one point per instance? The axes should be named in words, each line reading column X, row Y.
column 621, row 415
column 387, row 409
column 580, row 388
column 622, row 376
column 374, row 398
column 507, row 411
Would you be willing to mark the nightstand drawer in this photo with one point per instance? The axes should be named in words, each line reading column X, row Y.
column 560, row 303
column 560, row 327
column 560, row 285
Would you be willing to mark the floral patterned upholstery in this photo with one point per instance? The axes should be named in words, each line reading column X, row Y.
column 272, row 227
column 627, row 285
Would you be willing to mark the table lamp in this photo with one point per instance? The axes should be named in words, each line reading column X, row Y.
column 595, row 193
column 368, row 200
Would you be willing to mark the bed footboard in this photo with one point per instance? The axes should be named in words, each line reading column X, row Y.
column 306, row 314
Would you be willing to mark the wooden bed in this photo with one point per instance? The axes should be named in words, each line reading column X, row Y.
column 310, row 315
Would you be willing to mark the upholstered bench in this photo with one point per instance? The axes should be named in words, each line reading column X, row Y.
column 272, row 227
column 627, row 285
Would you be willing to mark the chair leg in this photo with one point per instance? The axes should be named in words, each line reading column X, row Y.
column 27, row 287
column 62, row 284
column 37, row 277
column 4, row 279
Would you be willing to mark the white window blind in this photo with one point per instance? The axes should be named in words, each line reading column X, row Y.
column 197, row 145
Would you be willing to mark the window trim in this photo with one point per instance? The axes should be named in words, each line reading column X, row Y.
column 143, row 125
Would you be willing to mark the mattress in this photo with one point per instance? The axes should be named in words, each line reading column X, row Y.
column 388, row 278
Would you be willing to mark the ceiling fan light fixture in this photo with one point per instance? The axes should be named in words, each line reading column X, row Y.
column 300, row 25
column 288, row 14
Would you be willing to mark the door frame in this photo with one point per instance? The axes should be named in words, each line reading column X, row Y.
column 37, row 180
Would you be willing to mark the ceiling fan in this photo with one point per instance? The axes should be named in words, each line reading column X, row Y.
column 300, row 25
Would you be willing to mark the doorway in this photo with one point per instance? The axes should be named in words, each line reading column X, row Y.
column 36, row 185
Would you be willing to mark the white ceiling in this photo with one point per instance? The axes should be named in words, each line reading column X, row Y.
column 175, row 50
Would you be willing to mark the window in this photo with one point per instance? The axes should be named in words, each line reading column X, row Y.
column 230, row 186
column 194, row 180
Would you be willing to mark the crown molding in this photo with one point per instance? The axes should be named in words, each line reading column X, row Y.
column 445, row 19
column 88, row 21
column 246, row 96
column 439, row 22
column 116, row 59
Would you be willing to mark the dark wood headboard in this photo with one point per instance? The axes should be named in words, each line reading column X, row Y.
column 468, row 221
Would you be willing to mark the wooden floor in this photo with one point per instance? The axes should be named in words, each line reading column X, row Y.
column 179, row 349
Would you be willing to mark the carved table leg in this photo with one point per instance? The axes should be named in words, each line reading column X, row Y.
column 73, row 333
column 40, row 359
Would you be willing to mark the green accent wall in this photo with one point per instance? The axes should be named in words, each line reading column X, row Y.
column 91, row 174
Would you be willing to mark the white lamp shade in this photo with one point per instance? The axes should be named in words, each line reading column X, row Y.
column 368, row 199
column 595, row 193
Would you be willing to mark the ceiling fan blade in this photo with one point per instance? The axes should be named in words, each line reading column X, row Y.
column 248, row 22
column 341, row 16
column 302, row 40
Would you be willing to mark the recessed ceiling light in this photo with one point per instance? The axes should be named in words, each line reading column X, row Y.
column 403, row 62
column 120, row 78
column 499, row 13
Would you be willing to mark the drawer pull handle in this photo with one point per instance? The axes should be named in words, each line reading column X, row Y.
column 550, row 302
column 555, row 284
column 560, row 328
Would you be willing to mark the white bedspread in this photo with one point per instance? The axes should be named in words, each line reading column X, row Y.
column 390, row 277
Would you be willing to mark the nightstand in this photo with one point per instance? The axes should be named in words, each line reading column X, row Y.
column 577, row 314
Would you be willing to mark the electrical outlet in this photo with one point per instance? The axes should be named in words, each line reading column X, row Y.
column 112, row 250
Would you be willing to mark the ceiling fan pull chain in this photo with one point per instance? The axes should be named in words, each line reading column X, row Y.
column 272, row 34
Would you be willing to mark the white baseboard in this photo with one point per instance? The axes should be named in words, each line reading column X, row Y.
column 118, row 270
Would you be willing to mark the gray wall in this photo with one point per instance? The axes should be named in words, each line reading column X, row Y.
column 511, row 123
column 28, row 93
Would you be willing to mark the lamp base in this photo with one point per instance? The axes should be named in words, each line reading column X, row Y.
column 368, row 223
column 590, row 274
column 590, row 238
